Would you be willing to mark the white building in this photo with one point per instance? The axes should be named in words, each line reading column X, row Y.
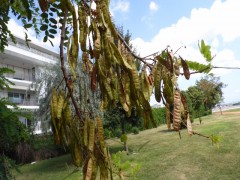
column 25, row 61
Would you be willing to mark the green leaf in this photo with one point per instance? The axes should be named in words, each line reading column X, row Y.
column 51, row 43
column 53, row 31
column 51, row 36
column 26, row 26
column 199, row 67
column 45, row 39
column 34, row 20
column 205, row 51
column 54, row 21
column 44, row 15
column 53, row 9
column 44, row 27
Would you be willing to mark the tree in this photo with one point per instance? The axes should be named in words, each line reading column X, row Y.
column 109, row 72
column 212, row 89
column 206, row 94
column 13, row 132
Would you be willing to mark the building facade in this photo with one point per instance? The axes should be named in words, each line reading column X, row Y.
column 26, row 62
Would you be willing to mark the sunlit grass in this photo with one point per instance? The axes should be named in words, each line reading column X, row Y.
column 163, row 155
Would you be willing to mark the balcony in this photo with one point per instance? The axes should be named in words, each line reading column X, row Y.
column 19, row 76
column 23, row 102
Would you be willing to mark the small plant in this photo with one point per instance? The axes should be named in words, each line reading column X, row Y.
column 124, row 168
column 135, row 130
column 216, row 139
column 124, row 138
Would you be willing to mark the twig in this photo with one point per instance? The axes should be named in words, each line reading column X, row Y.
column 194, row 132
column 226, row 67
column 130, row 51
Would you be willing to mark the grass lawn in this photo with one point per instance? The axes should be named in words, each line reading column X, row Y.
column 163, row 155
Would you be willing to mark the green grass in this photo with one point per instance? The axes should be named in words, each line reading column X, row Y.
column 51, row 169
column 163, row 155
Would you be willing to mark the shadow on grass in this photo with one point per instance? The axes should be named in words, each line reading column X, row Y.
column 166, row 131
column 56, row 164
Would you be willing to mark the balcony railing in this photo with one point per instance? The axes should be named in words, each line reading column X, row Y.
column 25, row 102
column 19, row 76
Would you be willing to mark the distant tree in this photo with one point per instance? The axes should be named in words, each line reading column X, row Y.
column 206, row 94
column 212, row 90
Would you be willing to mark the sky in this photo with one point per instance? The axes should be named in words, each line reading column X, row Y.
column 158, row 23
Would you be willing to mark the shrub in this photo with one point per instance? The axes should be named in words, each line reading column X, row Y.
column 117, row 133
column 159, row 115
column 135, row 130
column 5, row 168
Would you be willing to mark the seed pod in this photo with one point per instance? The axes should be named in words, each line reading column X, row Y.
column 94, row 79
column 67, row 114
column 71, row 57
column 54, row 122
column 91, row 136
column 107, row 19
column 108, row 89
column 135, row 77
column 184, row 102
column 100, row 130
column 76, row 154
column 60, row 104
column 97, row 41
column 82, row 17
column 185, row 69
column 43, row 5
column 177, row 111
column 176, row 69
column 168, row 121
column 189, row 125
column 54, row 101
column 103, row 170
column 157, row 82
column 89, row 169
column 122, row 98
column 85, row 133
column 119, row 57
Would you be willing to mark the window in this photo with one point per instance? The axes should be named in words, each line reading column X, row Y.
column 17, row 98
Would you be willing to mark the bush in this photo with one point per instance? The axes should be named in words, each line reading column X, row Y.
column 159, row 115
column 135, row 130
column 13, row 132
column 117, row 133
column 6, row 165
column 107, row 133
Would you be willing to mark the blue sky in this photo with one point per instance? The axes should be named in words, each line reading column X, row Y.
column 158, row 23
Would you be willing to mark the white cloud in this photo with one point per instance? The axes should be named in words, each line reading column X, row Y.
column 225, row 58
column 153, row 6
column 18, row 31
column 119, row 5
column 218, row 22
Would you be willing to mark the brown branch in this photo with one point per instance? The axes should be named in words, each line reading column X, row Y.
column 213, row 67
column 196, row 133
column 226, row 67
column 63, row 66
column 132, row 53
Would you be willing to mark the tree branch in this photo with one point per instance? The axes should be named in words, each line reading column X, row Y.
column 64, row 69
